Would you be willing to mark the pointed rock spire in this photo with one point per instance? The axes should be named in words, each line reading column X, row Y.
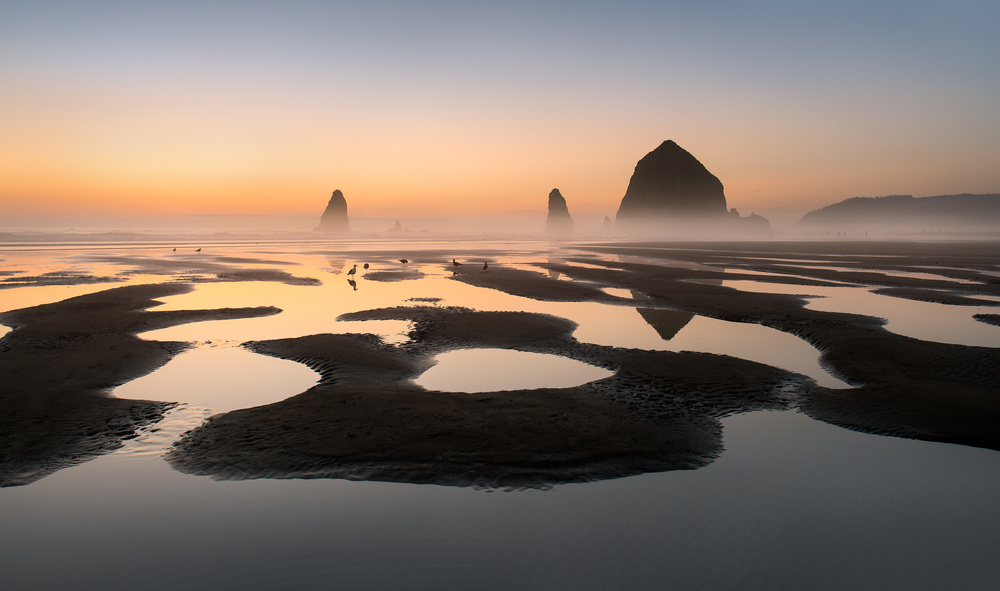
column 334, row 219
column 558, row 221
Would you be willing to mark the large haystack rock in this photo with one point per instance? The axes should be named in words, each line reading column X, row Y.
column 670, row 185
column 558, row 222
column 334, row 219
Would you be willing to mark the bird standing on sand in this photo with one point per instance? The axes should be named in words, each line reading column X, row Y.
column 352, row 271
column 198, row 249
column 486, row 265
column 404, row 261
column 455, row 263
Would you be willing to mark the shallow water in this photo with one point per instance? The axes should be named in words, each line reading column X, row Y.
column 926, row 321
column 493, row 370
column 792, row 503
column 311, row 310
column 221, row 378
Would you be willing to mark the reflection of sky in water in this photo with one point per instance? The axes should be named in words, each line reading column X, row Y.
column 221, row 379
column 753, row 342
column 15, row 298
column 792, row 504
column 921, row 320
column 312, row 310
column 793, row 269
column 492, row 370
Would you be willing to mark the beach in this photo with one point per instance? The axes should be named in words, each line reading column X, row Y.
column 62, row 358
column 367, row 419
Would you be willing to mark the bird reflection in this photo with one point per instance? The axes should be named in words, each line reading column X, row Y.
column 353, row 283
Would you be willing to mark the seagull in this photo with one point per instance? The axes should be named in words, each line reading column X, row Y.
column 455, row 263
column 198, row 249
column 404, row 261
column 352, row 271
column 486, row 265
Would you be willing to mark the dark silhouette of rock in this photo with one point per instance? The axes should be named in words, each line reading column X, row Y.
column 334, row 219
column 607, row 226
column 558, row 221
column 752, row 224
column 906, row 213
column 669, row 184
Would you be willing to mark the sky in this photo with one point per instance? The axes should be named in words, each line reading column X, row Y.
column 440, row 108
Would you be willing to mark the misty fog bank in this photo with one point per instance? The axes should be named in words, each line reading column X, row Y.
column 531, row 226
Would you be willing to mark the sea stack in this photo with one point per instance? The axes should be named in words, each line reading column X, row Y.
column 558, row 222
column 334, row 219
column 607, row 226
column 670, row 187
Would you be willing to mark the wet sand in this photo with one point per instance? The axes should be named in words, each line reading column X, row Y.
column 60, row 361
column 660, row 410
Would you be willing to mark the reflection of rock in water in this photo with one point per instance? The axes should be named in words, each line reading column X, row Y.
column 907, row 387
column 366, row 421
column 552, row 271
column 666, row 323
column 58, row 364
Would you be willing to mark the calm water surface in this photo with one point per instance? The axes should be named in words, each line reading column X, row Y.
column 792, row 504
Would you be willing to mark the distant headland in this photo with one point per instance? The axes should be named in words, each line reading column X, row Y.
column 906, row 214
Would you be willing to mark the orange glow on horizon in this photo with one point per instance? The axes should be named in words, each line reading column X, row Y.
column 102, row 154
column 434, row 112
